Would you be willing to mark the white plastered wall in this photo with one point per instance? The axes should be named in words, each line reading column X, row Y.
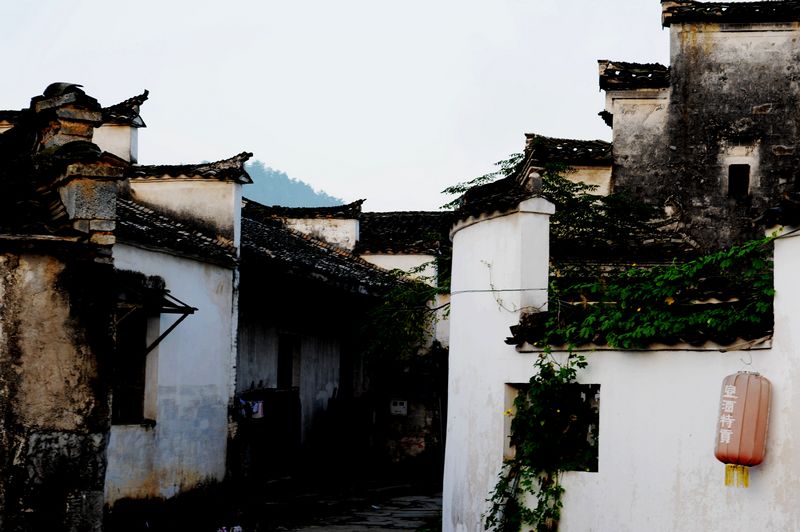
column 658, row 413
column 658, row 423
column 499, row 267
column 121, row 140
column 192, row 385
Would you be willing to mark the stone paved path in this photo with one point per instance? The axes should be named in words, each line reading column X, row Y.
column 410, row 512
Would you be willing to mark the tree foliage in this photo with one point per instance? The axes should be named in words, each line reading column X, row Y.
column 505, row 168
column 401, row 326
column 583, row 219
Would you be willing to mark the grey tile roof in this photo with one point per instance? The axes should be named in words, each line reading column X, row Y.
column 404, row 232
column 231, row 169
column 619, row 75
column 730, row 12
column 269, row 245
column 542, row 150
column 140, row 225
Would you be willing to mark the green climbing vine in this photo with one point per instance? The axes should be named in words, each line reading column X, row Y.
column 551, row 432
column 552, row 426
column 718, row 296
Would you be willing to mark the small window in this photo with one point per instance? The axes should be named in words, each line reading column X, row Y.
column 738, row 181
column 130, row 359
column 141, row 301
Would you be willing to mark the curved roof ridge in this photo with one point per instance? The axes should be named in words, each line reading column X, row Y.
column 127, row 111
column 230, row 169
column 349, row 211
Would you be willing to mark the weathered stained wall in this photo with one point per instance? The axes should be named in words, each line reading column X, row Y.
column 192, row 385
column 733, row 99
column 55, row 318
column 216, row 203
column 337, row 231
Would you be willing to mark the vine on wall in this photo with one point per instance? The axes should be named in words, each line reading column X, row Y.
column 628, row 310
column 720, row 296
column 550, row 434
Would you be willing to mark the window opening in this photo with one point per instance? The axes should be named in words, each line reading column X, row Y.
column 141, row 301
column 127, row 404
column 738, row 181
column 582, row 405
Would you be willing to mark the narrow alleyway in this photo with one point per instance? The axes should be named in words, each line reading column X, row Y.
column 299, row 504
column 408, row 512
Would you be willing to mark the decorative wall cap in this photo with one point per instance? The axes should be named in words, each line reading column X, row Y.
column 680, row 11
column 231, row 169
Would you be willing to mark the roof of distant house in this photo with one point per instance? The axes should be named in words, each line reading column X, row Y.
column 270, row 243
column 619, row 75
column 404, row 232
column 140, row 225
column 678, row 11
column 570, row 152
column 258, row 211
column 231, row 169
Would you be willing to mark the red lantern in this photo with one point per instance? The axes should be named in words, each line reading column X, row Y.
column 742, row 425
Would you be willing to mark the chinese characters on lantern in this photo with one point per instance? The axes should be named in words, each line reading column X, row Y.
column 726, row 420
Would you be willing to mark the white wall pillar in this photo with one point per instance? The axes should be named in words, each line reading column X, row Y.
column 500, row 267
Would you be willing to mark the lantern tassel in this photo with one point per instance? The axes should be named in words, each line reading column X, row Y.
column 740, row 473
column 743, row 476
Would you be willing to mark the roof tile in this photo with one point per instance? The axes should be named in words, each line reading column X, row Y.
column 231, row 169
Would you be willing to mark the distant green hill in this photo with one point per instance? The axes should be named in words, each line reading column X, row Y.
column 273, row 187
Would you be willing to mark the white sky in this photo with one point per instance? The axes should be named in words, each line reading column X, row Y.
column 389, row 101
